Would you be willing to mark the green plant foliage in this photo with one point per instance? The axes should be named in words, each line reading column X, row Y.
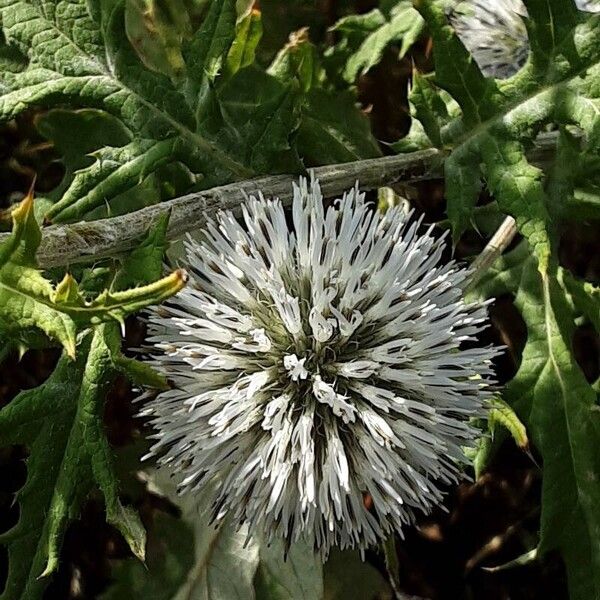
column 31, row 307
column 61, row 424
column 169, row 559
column 216, row 115
column 214, row 562
column 500, row 119
column 156, row 29
column 330, row 129
column 503, row 415
column 560, row 407
column 347, row 577
column 486, row 127
column 364, row 38
column 150, row 99
column 61, row 421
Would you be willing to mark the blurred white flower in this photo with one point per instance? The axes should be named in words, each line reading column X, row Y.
column 316, row 363
column 495, row 34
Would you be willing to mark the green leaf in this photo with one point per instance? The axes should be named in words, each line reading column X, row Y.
column 145, row 263
column 586, row 297
column 27, row 304
column 140, row 373
column 31, row 305
column 156, row 30
column 254, row 105
column 61, row 421
column 347, row 577
column 205, row 52
column 169, row 559
column 585, row 203
column 370, row 34
column 115, row 171
column 11, row 61
column 560, row 410
column 95, row 129
column 86, row 61
column 216, row 118
column 61, row 424
column 428, row 107
column 248, row 32
column 222, row 563
column 500, row 119
column 298, row 576
column 462, row 180
column 297, row 60
column 502, row 414
column 332, row 129
column 566, row 427
column 100, row 137
column 140, row 267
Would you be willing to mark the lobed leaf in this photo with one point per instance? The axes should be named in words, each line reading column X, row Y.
column 364, row 38
column 500, row 119
column 560, row 409
column 61, row 424
column 31, row 305
column 61, row 421
column 215, row 115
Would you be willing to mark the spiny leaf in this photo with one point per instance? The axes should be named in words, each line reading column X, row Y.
column 26, row 297
column 559, row 408
column 87, row 61
column 30, row 305
column 204, row 54
column 142, row 266
column 115, row 171
column 331, row 127
column 61, row 424
column 145, row 264
column 500, row 413
column 140, row 373
column 566, row 427
column 219, row 117
column 500, row 119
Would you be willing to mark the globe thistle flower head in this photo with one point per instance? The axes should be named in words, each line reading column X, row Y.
column 316, row 363
column 494, row 32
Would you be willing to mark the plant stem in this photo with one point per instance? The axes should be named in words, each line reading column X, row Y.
column 391, row 565
column 393, row 568
column 495, row 247
column 94, row 240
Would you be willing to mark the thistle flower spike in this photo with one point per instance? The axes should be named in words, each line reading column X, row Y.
column 494, row 32
column 315, row 364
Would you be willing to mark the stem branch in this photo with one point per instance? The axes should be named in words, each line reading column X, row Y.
column 93, row 240
column 495, row 247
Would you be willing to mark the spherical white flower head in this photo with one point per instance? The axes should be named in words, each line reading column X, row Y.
column 494, row 32
column 315, row 366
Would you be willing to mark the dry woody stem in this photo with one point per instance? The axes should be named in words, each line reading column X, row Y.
column 95, row 240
